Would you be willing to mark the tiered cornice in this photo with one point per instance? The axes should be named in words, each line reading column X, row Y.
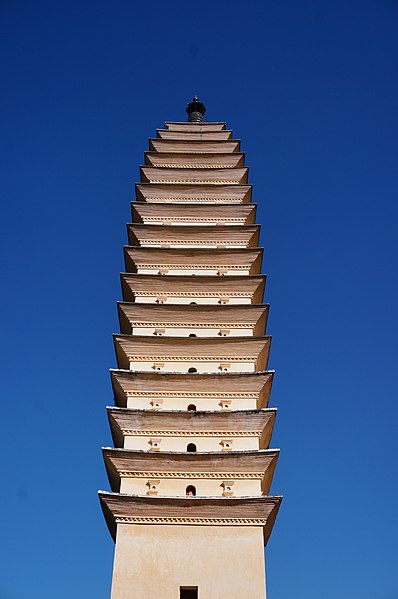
column 184, row 466
column 193, row 261
column 187, row 320
column 252, row 389
column 235, row 354
column 193, row 236
column 188, row 423
column 223, row 511
column 198, row 193
column 185, row 289
column 193, row 214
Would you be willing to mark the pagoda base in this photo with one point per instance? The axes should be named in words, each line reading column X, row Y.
column 159, row 560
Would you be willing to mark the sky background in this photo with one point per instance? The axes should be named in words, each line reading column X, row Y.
column 311, row 89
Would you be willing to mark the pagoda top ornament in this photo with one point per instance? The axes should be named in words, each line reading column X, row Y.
column 196, row 111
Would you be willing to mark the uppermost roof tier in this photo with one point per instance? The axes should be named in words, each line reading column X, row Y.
column 184, row 126
column 194, row 133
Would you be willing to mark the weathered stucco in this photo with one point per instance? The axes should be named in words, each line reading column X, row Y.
column 154, row 561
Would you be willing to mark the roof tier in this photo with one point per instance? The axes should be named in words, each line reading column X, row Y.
column 124, row 462
column 249, row 316
column 195, row 214
column 195, row 160
column 225, row 386
column 189, row 422
column 215, row 176
column 194, row 134
column 204, row 126
column 170, row 286
column 195, row 147
column 243, row 235
column 215, row 511
column 143, row 348
column 195, row 259
column 199, row 193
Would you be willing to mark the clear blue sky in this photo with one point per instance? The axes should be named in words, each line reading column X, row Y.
column 311, row 89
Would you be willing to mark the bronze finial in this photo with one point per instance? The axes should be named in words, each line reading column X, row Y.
column 196, row 111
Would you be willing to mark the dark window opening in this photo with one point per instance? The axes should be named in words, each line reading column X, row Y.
column 192, row 370
column 192, row 407
column 192, row 335
column 190, row 491
column 191, row 447
column 188, row 592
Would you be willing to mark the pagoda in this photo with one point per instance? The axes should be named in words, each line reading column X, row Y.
column 190, row 509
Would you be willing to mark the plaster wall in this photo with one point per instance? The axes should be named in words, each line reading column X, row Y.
column 143, row 299
column 179, row 443
column 190, row 222
column 155, row 561
column 201, row 367
column 188, row 200
column 206, row 487
column 146, row 270
column 198, row 331
column 182, row 403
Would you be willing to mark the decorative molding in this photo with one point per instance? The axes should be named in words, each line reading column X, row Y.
column 211, row 475
column 196, row 325
column 193, row 166
column 191, row 199
column 193, row 241
column 194, row 219
column 193, row 266
column 194, row 294
column 195, row 181
column 190, row 394
column 190, row 359
column 197, row 521
column 178, row 433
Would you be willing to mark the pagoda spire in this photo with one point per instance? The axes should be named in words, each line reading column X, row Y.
column 196, row 111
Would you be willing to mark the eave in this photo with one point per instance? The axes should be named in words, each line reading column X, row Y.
column 222, row 214
column 186, row 126
column 193, row 511
column 193, row 193
column 194, row 135
column 189, row 146
column 186, row 315
column 189, row 286
column 194, row 160
column 123, row 420
column 246, row 235
column 168, row 349
column 214, row 176
column 256, row 386
column 125, row 462
column 235, row 258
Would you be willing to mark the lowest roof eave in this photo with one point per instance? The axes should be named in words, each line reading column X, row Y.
column 212, row 511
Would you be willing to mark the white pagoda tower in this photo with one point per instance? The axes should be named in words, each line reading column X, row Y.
column 190, row 471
